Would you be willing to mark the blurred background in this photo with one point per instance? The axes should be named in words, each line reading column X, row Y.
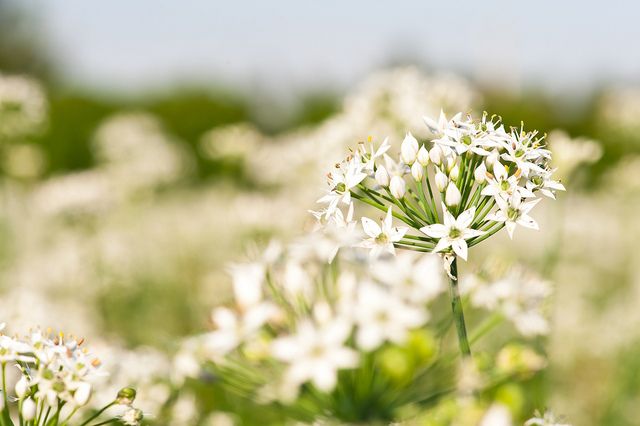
column 146, row 144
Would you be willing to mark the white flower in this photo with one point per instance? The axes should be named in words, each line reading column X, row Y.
column 234, row 328
column 441, row 180
column 316, row 353
column 382, row 237
column 497, row 415
column 543, row 182
column 514, row 212
column 382, row 176
column 480, row 173
column 435, row 155
column 82, row 394
column 341, row 181
column 28, row 409
column 409, row 149
column 132, row 417
column 546, row 419
column 501, row 185
column 423, row 156
column 415, row 277
column 397, row 187
column 374, row 154
column 380, row 316
column 452, row 196
column 518, row 296
column 454, row 232
column 22, row 386
column 247, row 283
column 417, row 171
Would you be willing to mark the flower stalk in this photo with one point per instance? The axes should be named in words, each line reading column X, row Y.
column 458, row 313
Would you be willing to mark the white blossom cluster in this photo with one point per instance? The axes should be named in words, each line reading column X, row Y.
column 473, row 178
column 293, row 308
column 516, row 294
column 23, row 106
column 55, row 378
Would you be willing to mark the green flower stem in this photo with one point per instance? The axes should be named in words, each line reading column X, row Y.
column 397, row 215
column 425, row 204
column 487, row 325
column 420, row 211
column 484, row 209
column 432, row 199
column 472, row 242
column 456, row 307
column 405, row 208
column 6, row 418
column 421, row 245
column 420, row 238
column 98, row 413
column 425, row 212
column 412, row 248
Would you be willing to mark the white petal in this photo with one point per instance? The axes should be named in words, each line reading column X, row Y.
column 437, row 230
column 371, row 228
column 528, row 222
column 465, row 218
column 460, row 248
column 442, row 244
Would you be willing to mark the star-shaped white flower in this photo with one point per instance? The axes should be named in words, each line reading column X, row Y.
column 501, row 185
column 514, row 212
column 382, row 237
column 316, row 353
column 454, row 232
column 380, row 316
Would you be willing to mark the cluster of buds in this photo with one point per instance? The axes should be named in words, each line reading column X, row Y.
column 56, row 373
column 471, row 180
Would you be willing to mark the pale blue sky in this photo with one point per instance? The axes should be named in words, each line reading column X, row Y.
column 293, row 44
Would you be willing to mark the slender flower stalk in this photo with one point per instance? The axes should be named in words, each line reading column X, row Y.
column 456, row 308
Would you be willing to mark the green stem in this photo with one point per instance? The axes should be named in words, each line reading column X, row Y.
column 98, row 413
column 486, row 326
column 456, row 307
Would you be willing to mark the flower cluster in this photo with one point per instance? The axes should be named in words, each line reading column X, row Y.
column 470, row 181
column 290, row 306
column 316, row 325
column 515, row 294
column 23, row 106
column 55, row 380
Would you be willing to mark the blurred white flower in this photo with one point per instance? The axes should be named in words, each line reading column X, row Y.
column 23, row 106
column 316, row 353
column 381, row 316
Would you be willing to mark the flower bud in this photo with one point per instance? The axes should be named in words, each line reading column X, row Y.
column 28, row 410
column 133, row 417
column 441, row 180
column 436, row 155
column 480, row 173
column 454, row 174
column 397, row 187
column 423, row 156
column 382, row 176
column 82, row 394
column 22, row 386
column 126, row 396
column 409, row 149
column 451, row 161
column 417, row 171
column 453, row 196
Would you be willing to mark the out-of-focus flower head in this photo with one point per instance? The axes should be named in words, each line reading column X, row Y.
column 23, row 107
